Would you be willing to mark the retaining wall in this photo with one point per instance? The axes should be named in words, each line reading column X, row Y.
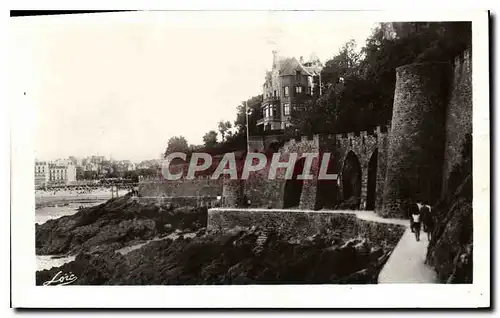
column 299, row 224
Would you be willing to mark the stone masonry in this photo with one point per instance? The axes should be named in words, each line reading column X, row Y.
column 432, row 118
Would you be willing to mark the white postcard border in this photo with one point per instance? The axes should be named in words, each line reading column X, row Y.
column 26, row 294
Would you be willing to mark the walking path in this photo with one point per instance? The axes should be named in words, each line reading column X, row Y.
column 406, row 263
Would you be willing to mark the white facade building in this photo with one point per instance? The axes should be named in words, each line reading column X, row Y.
column 54, row 173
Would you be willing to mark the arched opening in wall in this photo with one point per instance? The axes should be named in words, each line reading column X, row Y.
column 371, row 186
column 293, row 186
column 351, row 181
column 327, row 195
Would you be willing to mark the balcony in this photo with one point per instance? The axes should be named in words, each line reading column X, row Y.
column 271, row 99
column 270, row 119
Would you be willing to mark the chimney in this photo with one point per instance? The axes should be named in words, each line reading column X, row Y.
column 301, row 60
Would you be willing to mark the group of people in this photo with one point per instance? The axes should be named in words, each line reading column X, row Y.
column 421, row 214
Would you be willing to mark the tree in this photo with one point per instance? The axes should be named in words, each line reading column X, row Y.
column 342, row 65
column 177, row 144
column 194, row 148
column 255, row 113
column 223, row 128
column 210, row 139
column 359, row 87
column 90, row 175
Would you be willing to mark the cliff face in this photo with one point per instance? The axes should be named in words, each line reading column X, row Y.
column 450, row 250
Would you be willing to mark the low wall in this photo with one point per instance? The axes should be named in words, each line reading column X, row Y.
column 181, row 188
column 180, row 201
column 299, row 224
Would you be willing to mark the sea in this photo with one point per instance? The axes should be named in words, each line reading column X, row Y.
column 53, row 205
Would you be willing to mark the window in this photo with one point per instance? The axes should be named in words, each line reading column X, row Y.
column 286, row 109
column 275, row 93
column 309, row 90
column 286, row 92
column 297, row 75
column 272, row 111
column 298, row 89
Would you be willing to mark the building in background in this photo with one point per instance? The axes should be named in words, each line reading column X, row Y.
column 57, row 172
column 287, row 86
column 41, row 173
column 62, row 173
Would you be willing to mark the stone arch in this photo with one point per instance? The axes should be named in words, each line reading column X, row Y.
column 351, row 179
column 293, row 186
column 371, row 186
column 328, row 191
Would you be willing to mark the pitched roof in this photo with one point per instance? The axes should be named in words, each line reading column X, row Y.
column 289, row 66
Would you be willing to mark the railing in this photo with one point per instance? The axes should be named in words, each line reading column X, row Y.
column 271, row 98
column 268, row 119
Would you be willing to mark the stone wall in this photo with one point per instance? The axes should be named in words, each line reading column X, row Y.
column 232, row 192
column 256, row 144
column 363, row 145
column 432, row 117
column 263, row 192
column 180, row 201
column 382, row 147
column 459, row 113
column 295, row 224
column 263, row 143
column 416, row 141
column 307, row 144
column 180, row 188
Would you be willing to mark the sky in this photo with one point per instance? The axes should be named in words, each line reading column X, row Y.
column 122, row 84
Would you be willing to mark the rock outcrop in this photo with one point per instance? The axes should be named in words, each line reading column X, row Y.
column 117, row 223
column 450, row 249
column 234, row 259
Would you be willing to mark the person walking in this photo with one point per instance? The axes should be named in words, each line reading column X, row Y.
column 415, row 219
column 412, row 209
column 427, row 220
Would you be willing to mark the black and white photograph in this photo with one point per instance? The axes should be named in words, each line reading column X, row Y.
column 213, row 150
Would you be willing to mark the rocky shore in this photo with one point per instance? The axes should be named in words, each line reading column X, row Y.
column 246, row 256
column 118, row 223
column 186, row 255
